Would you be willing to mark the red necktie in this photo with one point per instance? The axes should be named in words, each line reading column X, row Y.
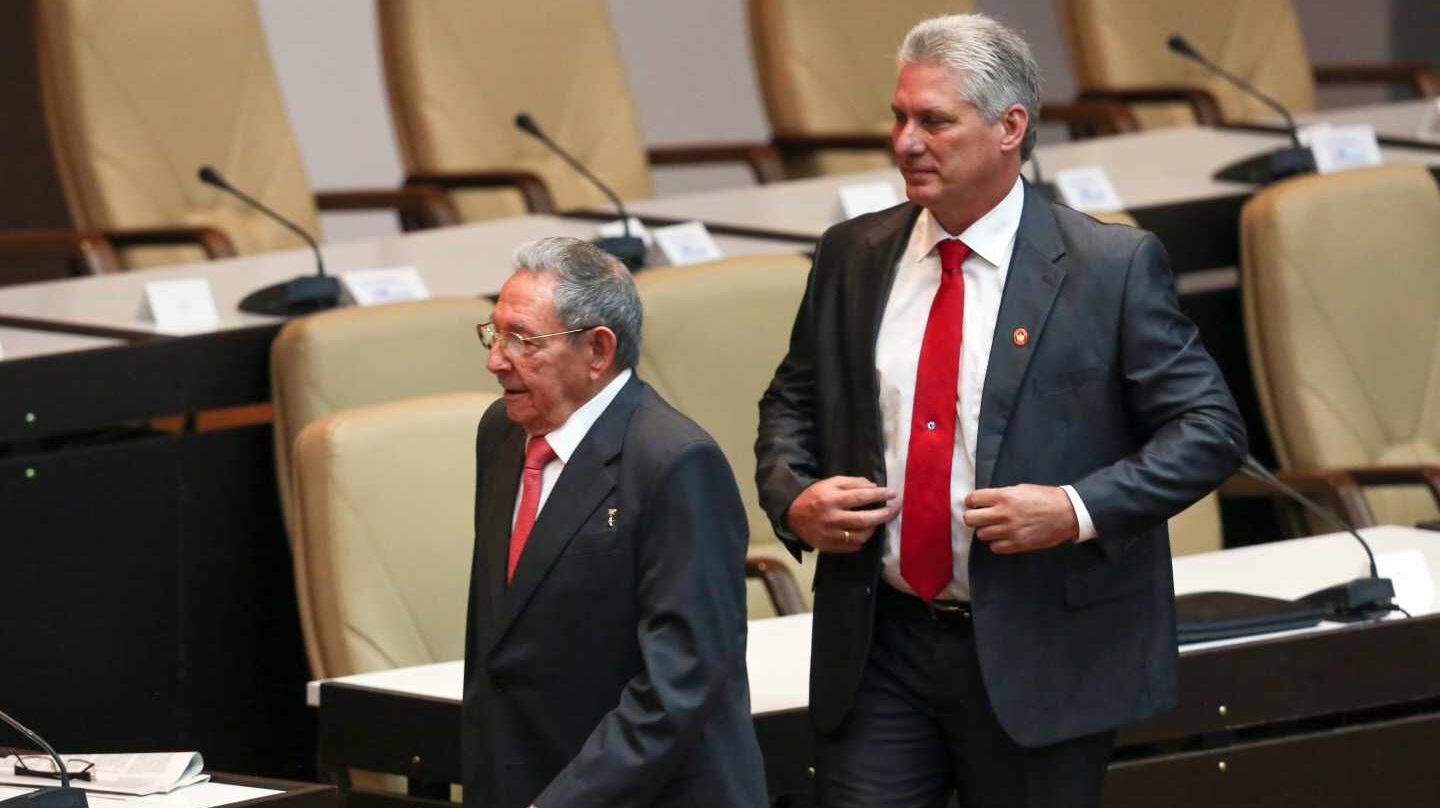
column 537, row 454
column 925, row 556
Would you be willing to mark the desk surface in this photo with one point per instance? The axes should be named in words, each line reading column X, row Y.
column 1400, row 121
column 225, row 790
column 778, row 653
column 24, row 343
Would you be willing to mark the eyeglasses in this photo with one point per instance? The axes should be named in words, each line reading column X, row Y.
column 42, row 766
column 515, row 345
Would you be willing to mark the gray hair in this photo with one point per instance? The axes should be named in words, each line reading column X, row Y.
column 993, row 65
column 592, row 288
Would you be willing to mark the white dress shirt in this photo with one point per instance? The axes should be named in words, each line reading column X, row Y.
column 991, row 240
column 565, row 439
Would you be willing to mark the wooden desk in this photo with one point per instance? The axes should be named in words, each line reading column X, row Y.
column 1396, row 123
column 24, row 343
column 1347, row 715
column 221, row 791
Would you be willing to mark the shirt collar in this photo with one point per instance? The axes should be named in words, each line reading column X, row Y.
column 990, row 236
column 565, row 439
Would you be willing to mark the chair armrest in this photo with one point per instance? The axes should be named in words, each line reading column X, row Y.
column 1204, row 106
column 762, row 158
column 419, row 206
column 91, row 250
column 1335, row 488
column 214, row 242
column 1428, row 476
column 1420, row 79
column 529, row 184
column 795, row 145
column 779, row 583
column 1091, row 118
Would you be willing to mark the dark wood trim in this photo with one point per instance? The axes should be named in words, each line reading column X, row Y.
column 212, row 240
column 528, row 184
column 294, row 794
column 419, row 205
column 718, row 229
column 1384, row 140
column 1417, row 77
column 1202, row 103
column 81, row 329
column 762, row 158
column 779, row 583
column 82, row 250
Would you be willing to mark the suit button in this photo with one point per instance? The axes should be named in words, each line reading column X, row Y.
column 498, row 684
column 930, row 425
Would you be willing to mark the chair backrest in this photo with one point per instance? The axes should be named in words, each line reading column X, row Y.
column 1120, row 44
column 714, row 334
column 1197, row 529
column 353, row 357
column 386, row 495
column 1341, row 280
column 827, row 67
column 140, row 93
column 458, row 71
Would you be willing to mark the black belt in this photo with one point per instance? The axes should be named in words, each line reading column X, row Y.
column 946, row 612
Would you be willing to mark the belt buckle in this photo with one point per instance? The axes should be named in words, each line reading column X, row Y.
column 944, row 611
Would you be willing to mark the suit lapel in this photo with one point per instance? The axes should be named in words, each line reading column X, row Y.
column 585, row 481
column 1031, row 285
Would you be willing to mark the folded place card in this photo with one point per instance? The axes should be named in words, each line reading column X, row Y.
column 616, row 229
column 182, row 306
column 1088, row 189
column 1430, row 125
column 867, row 197
column 688, row 243
column 372, row 287
column 1340, row 147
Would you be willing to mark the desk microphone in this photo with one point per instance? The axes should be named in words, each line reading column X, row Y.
column 300, row 295
column 1045, row 189
column 1262, row 169
column 629, row 249
column 63, row 796
column 1360, row 599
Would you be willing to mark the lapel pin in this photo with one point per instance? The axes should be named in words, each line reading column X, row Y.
column 610, row 516
column 1020, row 336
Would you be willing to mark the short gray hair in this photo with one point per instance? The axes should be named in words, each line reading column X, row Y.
column 592, row 288
column 993, row 65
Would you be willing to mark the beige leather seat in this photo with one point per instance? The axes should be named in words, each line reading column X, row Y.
column 138, row 94
column 1118, row 48
column 458, row 71
column 385, row 494
column 1341, row 282
column 1197, row 529
column 352, row 357
column 714, row 334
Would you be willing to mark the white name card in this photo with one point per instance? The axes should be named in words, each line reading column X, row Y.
column 616, row 229
column 373, row 287
column 1088, row 189
column 182, row 306
column 687, row 243
column 1430, row 126
column 867, row 197
column 1414, row 589
column 1340, row 147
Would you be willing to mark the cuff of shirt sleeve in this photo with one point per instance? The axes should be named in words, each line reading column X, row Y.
column 1082, row 516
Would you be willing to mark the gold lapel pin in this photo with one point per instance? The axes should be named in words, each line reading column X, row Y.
column 610, row 516
column 1020, row 336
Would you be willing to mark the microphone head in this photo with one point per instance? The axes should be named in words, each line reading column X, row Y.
column 526, row 124
column 210, row 176
column 1178, row 44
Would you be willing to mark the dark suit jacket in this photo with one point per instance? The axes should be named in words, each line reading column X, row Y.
column 1113, row 393
column 611, row 671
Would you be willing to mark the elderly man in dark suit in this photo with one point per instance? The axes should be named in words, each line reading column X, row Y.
column 990, row 406
column 605, row 652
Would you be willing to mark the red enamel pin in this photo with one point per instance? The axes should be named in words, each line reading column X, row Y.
column 1020, row 336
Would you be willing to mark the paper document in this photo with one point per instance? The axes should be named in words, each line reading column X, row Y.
column 137, row 774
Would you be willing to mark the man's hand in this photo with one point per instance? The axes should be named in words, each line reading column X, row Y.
column 825, row 515
column 1021, row 518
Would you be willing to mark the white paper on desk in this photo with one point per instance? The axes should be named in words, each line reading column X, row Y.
column 2, row 351
column 1430, row 125
column 182, row 306
column 1342, row 147
column 616, row 229
column 374, row 287
column 134, row 774
column 1088, row 189
column 688, row 243
column 859, row 198
column 1407, row 569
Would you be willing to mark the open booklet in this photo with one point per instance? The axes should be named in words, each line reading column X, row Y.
column 136, row 774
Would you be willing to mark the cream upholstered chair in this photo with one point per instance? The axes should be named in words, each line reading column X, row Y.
column 714, row 334
column 459, row 71
column 352, row 357
column 385, row 495
column 1341, row 286
column 138, row 94
column 1119, row 52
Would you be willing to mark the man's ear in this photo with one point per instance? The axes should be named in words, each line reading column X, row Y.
column 1016, row 120
column 602, row 342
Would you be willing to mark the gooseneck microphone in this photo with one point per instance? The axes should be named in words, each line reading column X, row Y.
column 1360, row 599
column 63, row 796
column 1261, row 169
column 629, row 249
column 301, row 295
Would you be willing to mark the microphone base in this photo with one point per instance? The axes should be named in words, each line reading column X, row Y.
column 630, row 250
column 302, row 295
column 1263, row 169
column 57, row 797
column 1360, row 599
